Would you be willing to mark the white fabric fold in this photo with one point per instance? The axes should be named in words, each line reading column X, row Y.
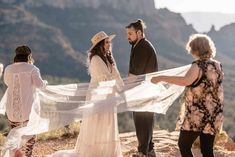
column 1, row 69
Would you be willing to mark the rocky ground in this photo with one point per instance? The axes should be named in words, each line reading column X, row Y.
column 165, row 145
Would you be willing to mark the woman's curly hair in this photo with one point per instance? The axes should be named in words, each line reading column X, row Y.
column 202, row 44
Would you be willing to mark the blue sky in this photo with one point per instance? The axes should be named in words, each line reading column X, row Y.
column 223, row 6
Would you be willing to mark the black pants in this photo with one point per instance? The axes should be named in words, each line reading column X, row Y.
column 144, row 122
column 187, row 138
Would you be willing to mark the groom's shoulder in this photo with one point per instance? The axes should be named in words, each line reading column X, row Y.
column 146, row 43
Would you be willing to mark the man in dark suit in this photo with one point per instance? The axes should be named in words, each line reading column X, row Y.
column 143, row 60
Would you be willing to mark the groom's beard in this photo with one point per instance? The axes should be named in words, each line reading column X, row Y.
column 133, row 42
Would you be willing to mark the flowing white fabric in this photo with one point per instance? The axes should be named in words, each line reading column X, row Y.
column 60, row 105
column 1, row 69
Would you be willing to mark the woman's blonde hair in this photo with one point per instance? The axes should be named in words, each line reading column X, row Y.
column 203, row 44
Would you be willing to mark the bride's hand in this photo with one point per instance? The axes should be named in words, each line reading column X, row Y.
column 156, row 79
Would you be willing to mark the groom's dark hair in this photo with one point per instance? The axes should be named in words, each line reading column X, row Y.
column 138, row 25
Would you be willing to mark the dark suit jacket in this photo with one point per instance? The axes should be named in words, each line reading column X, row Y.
column 143, row 58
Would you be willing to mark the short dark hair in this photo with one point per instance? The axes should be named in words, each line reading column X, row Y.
column 23, row 54
column 138, row 25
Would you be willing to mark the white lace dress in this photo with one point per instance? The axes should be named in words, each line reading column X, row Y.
column 98, row 135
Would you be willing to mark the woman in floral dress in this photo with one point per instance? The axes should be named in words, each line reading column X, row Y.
column 203, row 97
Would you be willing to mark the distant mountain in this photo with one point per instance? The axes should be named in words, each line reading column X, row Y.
column 59, row 33
column 224, row 39
column 203, row 21
column 50, row 46
column 130, row 6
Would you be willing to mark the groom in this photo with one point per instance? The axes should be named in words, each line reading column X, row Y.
column 142, row 60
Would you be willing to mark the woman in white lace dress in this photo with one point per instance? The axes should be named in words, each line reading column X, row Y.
column 22, row 78
column 99, row 135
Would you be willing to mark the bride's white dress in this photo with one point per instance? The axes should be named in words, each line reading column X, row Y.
column 98, row 135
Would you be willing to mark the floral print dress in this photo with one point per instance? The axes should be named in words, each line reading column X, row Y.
column 203, row 100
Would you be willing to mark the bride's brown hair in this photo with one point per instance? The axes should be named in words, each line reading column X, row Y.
column 100, row 51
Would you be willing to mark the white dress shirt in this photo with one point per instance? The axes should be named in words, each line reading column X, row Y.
column 22, row 80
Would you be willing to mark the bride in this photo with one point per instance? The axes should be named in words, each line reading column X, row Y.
column 98, row 135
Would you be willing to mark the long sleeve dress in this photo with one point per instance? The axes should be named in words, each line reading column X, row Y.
column 98, row 135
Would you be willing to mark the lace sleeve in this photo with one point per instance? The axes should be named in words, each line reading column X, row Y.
column 37, row 80
column 117, row 77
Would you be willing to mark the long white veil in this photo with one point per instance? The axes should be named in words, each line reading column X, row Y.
column 60, row 105
column 1, row 69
